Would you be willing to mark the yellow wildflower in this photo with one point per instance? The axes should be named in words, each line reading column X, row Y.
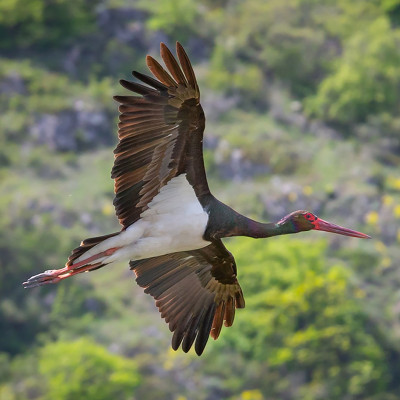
column 380, row 246
column 372, row 218
column 394, row 183
column 386, row 262
column 251, row 395
column 107, row 209
column 387, row 200
column 307, row 190
column 359, row 293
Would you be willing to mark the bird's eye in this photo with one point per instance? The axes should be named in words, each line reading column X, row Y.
column 310, row 217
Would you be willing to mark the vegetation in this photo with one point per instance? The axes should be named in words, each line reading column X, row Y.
column 302, row 102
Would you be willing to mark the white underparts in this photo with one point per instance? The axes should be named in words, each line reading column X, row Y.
column 175, row 221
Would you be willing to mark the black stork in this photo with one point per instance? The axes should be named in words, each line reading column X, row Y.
column 172, row 225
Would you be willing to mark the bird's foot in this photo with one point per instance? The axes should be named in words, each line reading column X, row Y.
column 50, row 276
column 56, row 275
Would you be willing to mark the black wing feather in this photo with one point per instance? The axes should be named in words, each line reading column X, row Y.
column 188, row 294
column 160, row 135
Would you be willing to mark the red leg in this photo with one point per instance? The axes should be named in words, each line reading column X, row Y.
column 79, row 270
column 55, row 275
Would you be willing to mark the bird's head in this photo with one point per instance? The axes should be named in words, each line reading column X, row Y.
column 301, row 220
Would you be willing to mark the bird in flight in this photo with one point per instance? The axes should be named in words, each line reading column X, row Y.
column 172, row 225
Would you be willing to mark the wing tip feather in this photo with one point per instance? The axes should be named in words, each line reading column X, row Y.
column 149, row 59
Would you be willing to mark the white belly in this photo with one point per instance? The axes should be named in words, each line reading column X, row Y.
column 175, row 221
column 166, row 234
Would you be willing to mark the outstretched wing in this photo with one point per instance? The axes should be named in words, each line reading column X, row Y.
column 160, row 135
column 195, row 291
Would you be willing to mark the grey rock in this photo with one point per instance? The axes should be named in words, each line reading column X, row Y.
column 13, row 84
column 72, row 130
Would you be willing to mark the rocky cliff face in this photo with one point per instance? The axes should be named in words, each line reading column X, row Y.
column 72, row 130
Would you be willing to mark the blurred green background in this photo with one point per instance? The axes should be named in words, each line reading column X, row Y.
column 302, row 102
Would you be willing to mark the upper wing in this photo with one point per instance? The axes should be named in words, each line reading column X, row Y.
column 160, row 135
column 195, row 292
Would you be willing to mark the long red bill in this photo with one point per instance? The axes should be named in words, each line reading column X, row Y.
column 322, row 225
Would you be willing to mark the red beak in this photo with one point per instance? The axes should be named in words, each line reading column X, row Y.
column 321, row 225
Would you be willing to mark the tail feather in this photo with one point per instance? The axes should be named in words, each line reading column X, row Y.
column 86, row 245
column 72, row 267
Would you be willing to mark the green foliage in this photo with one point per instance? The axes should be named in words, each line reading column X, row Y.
column 366, row 77
column 41, row 23
column 177, row 18
column 233, row 76
column 279, row 152
column 50, row 94
column 304, row 316
column 83, row 369
column 266, row 35
column 65, row 370
column 48, row 91
column 340, row 56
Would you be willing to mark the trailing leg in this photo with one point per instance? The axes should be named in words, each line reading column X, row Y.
column 76, row 264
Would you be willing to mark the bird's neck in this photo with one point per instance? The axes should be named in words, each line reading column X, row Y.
column 254, row 229
column 226, row 222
